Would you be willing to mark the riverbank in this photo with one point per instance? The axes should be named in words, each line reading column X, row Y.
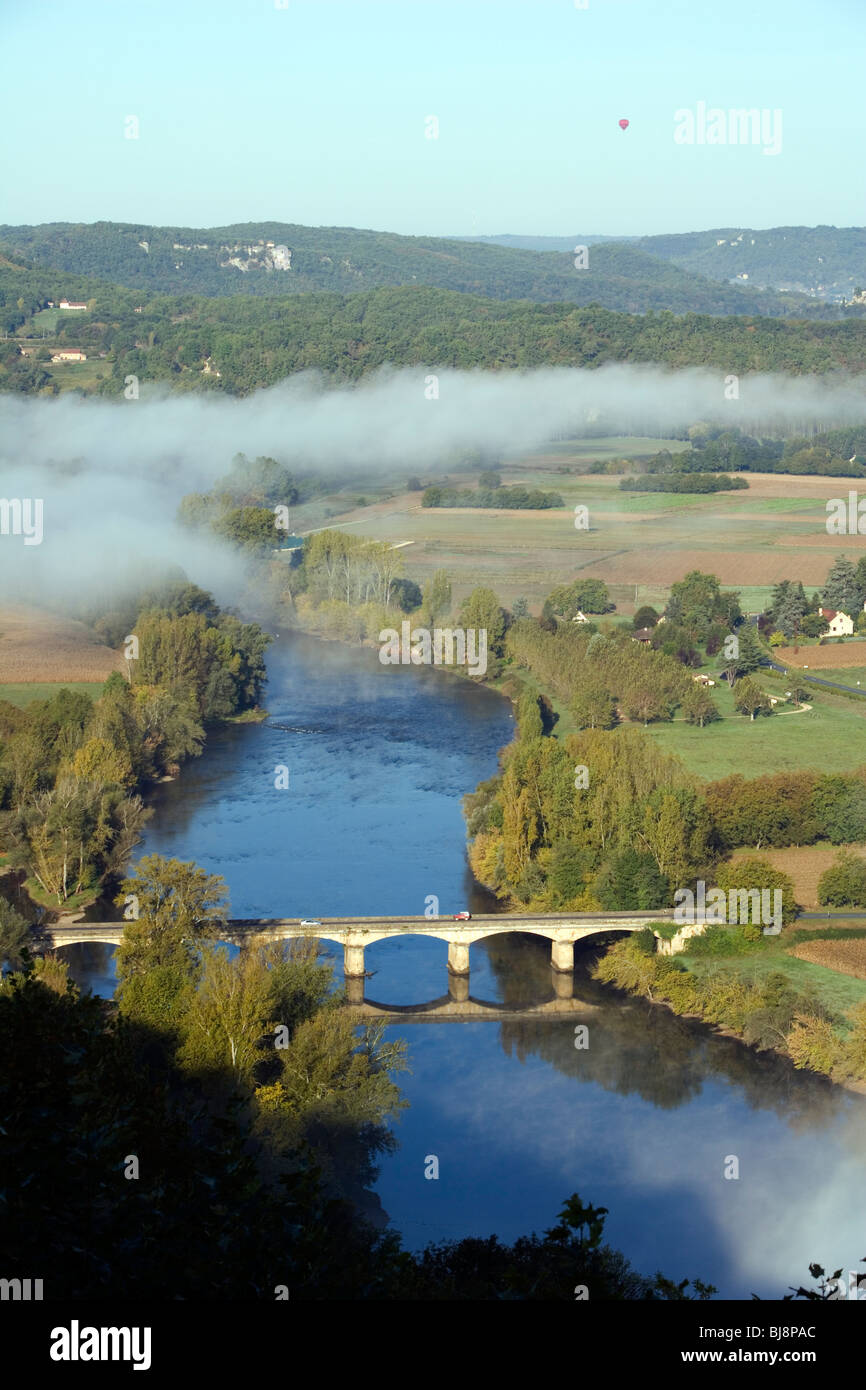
column 371, row 824
column 754, row 1000
column 512, row 684
column 717, row 1030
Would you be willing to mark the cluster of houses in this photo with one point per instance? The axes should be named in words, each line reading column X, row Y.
column 839, row 624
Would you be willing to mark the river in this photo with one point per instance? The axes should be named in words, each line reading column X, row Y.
column 643, row 1121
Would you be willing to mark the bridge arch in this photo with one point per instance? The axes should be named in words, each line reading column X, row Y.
column 58, row 942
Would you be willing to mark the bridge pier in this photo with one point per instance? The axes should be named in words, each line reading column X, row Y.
column 458, row 988
column 353, row 961
column 563, row 983
column 354, row 989
column 458, row 957
column 562, row 955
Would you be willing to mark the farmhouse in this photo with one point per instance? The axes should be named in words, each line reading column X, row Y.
column 643, row 634
column 72, row 304
column 840, row 624
column 69, row 355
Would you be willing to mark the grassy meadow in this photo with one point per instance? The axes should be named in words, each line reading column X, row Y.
column 831, row 736
column 838, row 991
column 23, row 694
column 638, row 543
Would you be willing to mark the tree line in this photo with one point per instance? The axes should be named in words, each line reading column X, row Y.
column 516, row 498
column 683, row 482
column 831, row 453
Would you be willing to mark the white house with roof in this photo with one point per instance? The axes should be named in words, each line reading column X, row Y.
column 840, row 624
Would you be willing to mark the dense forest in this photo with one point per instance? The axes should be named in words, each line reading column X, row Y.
column 241, row 343
column 238, row 259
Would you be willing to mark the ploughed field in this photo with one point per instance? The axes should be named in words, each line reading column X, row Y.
column 847, row 657
column 804, row 865
column 847, row 957
column 37, row 647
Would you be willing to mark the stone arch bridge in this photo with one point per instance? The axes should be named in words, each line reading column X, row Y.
column 354, row 934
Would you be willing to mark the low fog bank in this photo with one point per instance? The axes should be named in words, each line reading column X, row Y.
column 406, row 418
column 111, row 473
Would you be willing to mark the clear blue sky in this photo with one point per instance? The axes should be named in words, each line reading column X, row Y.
column 315, row 113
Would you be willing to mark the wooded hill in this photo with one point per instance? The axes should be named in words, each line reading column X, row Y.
column 253, row 342
column 219, row 261
column 827, row 262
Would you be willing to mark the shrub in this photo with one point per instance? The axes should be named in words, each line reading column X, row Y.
column 759, row 874
column 720, row 940
column 844, row 883
column 852, row 1062
column 813, row 1043
column 771, row 1010
column 645, row 941
column 680, row 989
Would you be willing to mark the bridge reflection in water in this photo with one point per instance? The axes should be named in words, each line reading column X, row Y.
column 459, row 1006
column 354, row 934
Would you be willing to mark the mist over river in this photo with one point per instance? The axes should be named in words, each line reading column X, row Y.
column 643, row 1121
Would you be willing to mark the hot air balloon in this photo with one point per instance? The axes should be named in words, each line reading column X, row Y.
column 623, row 125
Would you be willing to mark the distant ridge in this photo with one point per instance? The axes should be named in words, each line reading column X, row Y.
column 280, row 259
column 827, row 263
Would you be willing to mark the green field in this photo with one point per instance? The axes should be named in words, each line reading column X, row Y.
column 831, row 736
column 45, row 320
column 652, row 502
column 85, row 375
column 754, row 598
column 836, row 991
column 23, row 694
